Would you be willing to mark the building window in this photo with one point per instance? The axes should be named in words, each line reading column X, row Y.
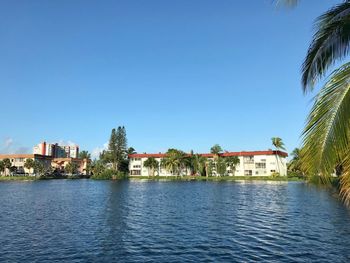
column 248, row 159
column 135, row 172
column 248, row 172
column 273, row 171
column 260, row 165
column 136, row 166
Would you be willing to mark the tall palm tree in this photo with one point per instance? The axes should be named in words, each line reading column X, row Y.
column 216, row 150
column 325, row 139
column 279, row 145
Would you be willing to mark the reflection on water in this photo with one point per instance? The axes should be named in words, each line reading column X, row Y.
column 85, row 221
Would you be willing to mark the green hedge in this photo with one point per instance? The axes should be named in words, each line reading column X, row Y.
column 109, row 174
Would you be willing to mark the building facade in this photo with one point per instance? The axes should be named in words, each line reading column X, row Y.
column 56, row 151
column 18, row 163
column 254, row 163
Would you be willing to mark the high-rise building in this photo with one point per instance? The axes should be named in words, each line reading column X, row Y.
column 57, row 151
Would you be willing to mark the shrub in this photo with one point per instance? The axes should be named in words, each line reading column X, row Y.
column 109, row 174
column 275, row 175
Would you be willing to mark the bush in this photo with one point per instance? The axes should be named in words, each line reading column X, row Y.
column 275, row 175
column 109, row 174
column 292, row 174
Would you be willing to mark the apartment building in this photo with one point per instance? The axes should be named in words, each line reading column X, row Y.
column 18, row 161
column 59, row 164
column 252, row 163
column 56, row 151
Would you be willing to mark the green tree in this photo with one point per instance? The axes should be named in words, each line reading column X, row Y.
column 71, row 168
column 216, row 149
column 210, row 166
column 325, row 139
column 221, row 166
column 97, row 167
column 199, row 164
column 39, row 168
column 152, row 164
column 2, row 167
column 122, row 144
column 7, row 165
column 279, row 145
column 295, row 165
column 84, row 155
column 174, row 161
column 116, row 153
column 232, row 162
column 13, row 170
column 29, row 164
column 112, row 154
column 131, row 150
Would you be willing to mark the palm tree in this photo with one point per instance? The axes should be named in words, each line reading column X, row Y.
column 295, row 164
column 7, row 165
column 216, row 150
column 199, row 164
column 152, row 164
column 84, row 155
column 71, row 168
column 279, row 145
column 232, row 162
column 29, row 164
column 174, row 161
column 325, row 139
column 131, row 150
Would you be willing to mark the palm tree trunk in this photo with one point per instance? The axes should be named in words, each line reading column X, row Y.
column 278, row 165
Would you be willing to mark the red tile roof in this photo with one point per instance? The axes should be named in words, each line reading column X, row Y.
column 161, row 155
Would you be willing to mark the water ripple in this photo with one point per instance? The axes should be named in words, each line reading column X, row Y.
column 90, row 221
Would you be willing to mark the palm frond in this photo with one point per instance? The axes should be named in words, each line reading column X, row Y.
column 330, row 43
column 325, row 137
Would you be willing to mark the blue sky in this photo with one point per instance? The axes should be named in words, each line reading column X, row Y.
column 186, row 74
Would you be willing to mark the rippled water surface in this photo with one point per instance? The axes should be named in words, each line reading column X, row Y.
column 133, row 221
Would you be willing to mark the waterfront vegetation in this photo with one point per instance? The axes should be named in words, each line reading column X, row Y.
column 325, row 139
column 220, row 178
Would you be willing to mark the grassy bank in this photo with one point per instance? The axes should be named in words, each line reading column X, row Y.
column 17, row 178
column 219, row 178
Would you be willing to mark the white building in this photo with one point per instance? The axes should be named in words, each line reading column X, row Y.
column 254, row 163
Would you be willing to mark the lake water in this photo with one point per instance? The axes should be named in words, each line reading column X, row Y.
column 134, row 221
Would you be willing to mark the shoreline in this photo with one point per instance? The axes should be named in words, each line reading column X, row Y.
column 218, row 178
column 166, row 178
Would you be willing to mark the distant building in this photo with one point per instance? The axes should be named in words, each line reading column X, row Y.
column 254, row 163
column 18, row 161
column 56, row 151
column 49, row 154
